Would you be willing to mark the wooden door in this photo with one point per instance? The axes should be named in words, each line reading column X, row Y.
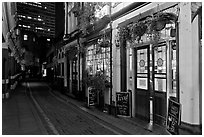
column 142, row 99
column 160, row 83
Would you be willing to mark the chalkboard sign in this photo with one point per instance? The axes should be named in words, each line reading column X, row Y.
column 123, row 103
column 173, row 117
column 92, row 96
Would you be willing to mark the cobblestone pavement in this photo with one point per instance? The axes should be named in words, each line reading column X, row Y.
column 66, row 118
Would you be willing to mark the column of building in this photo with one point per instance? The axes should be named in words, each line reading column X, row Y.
column 189, row 68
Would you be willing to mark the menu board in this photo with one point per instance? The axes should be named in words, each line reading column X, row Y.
column 92, row 96
column 123, row 103
column 173, row 117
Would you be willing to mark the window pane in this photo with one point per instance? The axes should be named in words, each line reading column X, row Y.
column 142, row 61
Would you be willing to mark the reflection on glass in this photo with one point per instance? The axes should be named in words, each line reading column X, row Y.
column 142, row 64
column 160, row 68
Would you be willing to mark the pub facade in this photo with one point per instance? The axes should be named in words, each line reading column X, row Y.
column 157, row 57
column 153, row 55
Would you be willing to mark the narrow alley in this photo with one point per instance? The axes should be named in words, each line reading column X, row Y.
column 101, row 68
column 40, row 110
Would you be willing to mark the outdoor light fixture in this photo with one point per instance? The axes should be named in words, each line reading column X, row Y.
column 17, row 31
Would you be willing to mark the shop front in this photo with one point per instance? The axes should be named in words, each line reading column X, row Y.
column 72, row 68
column 151, row 61
column 97, row 68
column 155, row 80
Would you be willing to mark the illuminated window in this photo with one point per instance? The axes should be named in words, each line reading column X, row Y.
column 48, row 39
column 98, row 59
column 25, row 37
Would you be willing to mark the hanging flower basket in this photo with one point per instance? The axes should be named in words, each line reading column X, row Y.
column 139, row 30
column 160, row 21
column 105, row 44
column 157, row 25
column 125, row 34
column 150, row 25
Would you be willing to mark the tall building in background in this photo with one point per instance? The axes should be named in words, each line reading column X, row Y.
column 41, row 25
column 38, row 17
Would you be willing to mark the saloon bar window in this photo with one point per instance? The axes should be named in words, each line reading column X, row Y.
column 98, row 58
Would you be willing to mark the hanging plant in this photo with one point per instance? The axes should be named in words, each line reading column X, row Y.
column 159, row 22
column 138, row 30
column 98, row 49
column 125, row 34
column 85, row 12
column 151, row 25
column 105, row 44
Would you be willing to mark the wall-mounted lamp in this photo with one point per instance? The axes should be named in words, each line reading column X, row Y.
column 17, row 31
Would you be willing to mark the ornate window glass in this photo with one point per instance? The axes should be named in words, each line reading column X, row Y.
column 98, row 59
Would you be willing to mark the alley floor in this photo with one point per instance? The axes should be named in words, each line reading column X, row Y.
column 34, row 108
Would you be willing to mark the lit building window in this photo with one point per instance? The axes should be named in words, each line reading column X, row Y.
column 25, row 37
column 98, row 60
column 33, row 39
column 48, row 39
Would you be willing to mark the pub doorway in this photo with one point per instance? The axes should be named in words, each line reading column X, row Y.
column 151, row 83
column 74, row 76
